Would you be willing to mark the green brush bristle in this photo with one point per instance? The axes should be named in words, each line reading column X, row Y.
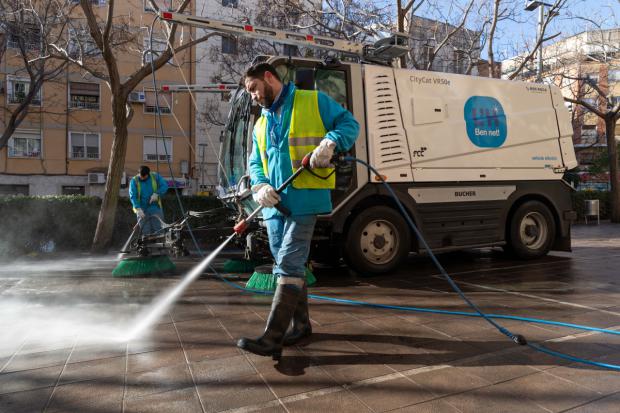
column 310, row 278
column 262, row 280
column 239, row 266
column 134, row 266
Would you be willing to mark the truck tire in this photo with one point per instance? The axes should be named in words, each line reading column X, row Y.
column 377, row 241
column 532, row 231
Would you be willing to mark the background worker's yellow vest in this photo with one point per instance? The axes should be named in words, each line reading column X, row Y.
column 305, row 134
column 155, row 187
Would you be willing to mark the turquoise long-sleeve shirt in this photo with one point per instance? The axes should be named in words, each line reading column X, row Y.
column 146, row 190
column 342, row 128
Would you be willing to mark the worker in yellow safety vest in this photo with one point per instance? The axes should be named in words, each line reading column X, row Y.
column 145, row 191
column 293, row 123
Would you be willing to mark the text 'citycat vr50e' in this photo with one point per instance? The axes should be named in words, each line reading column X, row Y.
column 477, row 162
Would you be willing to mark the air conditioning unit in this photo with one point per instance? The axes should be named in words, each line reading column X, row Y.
column 96, row 178
column 137, row 97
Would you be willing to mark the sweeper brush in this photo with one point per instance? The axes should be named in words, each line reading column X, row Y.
column 263, row 280
column 150, row 265
column 150, row 251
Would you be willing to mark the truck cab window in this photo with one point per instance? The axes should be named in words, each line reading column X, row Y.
column 332, row 83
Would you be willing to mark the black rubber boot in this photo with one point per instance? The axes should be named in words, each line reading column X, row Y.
column 301, row 327
column 282, row 308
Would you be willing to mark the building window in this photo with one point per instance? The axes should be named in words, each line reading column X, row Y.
column 81, row 44
column 18, row 89
column 613, row 75
column 459, row 59
column 84, row 95
column 229, row 45
column 590, row 101
column 14, row 190
column 164, row 5
column 159, row 46
column 84, row 145
column 427, row 56
column 593, row 78
column 29, row 36
column 230, row 3
column 73, row 190
column 25, row 144
column 589, row 137
column 157, row 148
column 163, row 101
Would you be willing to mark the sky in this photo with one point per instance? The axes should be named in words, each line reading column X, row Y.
column 570, row 21
column 514, row 36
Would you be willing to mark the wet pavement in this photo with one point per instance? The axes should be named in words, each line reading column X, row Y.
column 65, row 323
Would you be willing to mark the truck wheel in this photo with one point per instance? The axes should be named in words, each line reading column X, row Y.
column 532, row 231
column 377, row 241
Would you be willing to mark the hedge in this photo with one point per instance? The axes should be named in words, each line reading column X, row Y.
column 34, row 223
column 29, row 223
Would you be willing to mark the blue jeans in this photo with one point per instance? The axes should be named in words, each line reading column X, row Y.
column 289, row 241
column 150, row 224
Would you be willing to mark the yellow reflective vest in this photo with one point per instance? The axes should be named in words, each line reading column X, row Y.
column 155, row 188
column 305, row 133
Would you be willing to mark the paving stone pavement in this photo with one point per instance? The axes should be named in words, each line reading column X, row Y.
column 65, row 322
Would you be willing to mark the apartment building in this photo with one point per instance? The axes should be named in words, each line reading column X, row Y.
column 224, row 60
column 63, row 145
column 459, row 54
column 578, row 65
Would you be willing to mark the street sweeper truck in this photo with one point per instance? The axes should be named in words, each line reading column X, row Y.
column 477, row 162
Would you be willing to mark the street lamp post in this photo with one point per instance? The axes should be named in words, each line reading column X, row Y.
column 540, row 5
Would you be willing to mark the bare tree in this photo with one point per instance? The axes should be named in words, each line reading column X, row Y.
column 587, row 81
column 97, row 45
column 366, row 21
column 25, row 26
column 523, row 60
column 492, row 14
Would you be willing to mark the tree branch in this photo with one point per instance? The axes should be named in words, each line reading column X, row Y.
column 108, row 22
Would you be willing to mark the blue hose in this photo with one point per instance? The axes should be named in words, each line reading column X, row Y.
column 519, row 339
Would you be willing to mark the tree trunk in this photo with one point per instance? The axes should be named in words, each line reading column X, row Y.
column 107, row 213
column 614, row 177
column 400, row 27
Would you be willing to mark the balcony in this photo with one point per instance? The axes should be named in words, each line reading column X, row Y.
column 19, row 153
column 74, row 104
column 153, row 109
column 81, row 155
column 153, row 157
column 18, row 98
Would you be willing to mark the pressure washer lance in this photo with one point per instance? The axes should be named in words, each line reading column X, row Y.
column 125, row 248
column 243, row 224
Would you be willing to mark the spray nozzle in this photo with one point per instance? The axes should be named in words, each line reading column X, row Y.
column 305, row 163
column 240, row 227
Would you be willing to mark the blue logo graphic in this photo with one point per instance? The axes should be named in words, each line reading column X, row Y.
column 486, row 122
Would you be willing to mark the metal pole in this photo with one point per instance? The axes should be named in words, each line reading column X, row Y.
column 541, row 17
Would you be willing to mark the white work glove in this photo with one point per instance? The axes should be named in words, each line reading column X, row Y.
column 265, row 195
column 322, row 154
column 154, row 198
column 140, row 213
